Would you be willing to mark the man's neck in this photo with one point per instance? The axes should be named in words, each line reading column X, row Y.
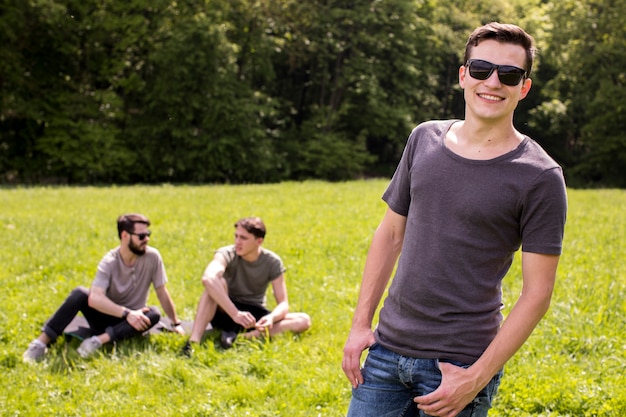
column 481, row 140
column 128, row 257
column 252, row 256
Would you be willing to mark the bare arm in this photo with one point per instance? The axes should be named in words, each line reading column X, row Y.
column 99, row 301
column 459, row 386
column 381, row 258
column 215, row 284
column 168, row 306
column 279, row 287
column 213, row 281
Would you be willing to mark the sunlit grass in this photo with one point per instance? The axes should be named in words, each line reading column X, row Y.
column 53, row 238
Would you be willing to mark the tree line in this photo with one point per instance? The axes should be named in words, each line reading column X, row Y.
column 241, row 91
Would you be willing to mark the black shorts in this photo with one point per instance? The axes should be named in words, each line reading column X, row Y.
column 224, row 322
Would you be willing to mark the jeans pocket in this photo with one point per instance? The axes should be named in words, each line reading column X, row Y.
column 373, row 346
column 455, row 363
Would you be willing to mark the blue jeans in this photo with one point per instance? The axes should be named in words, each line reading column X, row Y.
column 391, row 381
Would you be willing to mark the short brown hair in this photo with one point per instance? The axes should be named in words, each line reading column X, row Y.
column 504, row 33
column 126, row 222
column 253, row 225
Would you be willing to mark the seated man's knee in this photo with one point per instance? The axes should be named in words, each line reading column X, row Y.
column 154, row 314
column 303, row 322
column 79, row 294
column 211, row 283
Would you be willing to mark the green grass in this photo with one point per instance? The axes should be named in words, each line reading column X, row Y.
column 52, row 239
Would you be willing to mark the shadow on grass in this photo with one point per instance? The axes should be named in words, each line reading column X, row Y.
column 63, row 357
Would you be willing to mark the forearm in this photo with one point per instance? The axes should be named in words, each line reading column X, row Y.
column 370, row 294
column 280, row 311
column 539, row 274
column 216, row 286
column 224, row 302
column 379, row 265
column 514, row 332
column 216, row 290
column 105, row 305
column 167, row 304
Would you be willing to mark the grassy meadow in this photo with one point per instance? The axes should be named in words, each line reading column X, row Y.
column 52, row 239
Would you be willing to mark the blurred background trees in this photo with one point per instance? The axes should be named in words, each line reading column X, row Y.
column 240, row 91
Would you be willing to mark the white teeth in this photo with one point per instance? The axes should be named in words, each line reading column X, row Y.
column 490, row 97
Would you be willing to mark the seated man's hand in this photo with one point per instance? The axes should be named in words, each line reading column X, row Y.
column 178, row 329
column 265, row 323
column 245, row 319
column 138, row 319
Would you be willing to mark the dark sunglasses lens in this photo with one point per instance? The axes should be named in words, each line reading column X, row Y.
column 510, row 75
column 481, row 70
column 143, row 236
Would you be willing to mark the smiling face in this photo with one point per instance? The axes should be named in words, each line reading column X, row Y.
column 489, row 100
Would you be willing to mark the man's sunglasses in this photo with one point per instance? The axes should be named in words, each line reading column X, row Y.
column 507, row 74
column 141, row 236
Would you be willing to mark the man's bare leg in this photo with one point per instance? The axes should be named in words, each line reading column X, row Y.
column 293, row 322
column 205, row 313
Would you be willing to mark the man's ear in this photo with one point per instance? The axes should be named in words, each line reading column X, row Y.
column 462, row 69
column 525, row 88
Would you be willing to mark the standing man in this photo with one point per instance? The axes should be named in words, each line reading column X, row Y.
column 465, row 196
column 235, row 282
column 115, row 305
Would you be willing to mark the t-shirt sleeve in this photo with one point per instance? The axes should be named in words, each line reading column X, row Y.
column 277, row 270
column 276, row 265
column 398, row 193
column 104, row 272
column 228, row 252
column 544, row 213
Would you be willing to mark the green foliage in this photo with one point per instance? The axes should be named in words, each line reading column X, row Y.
column 251, row 91
column 53, row 238
column 333, row 77
column 328, row 155
column 587, row 45
column 212, row 120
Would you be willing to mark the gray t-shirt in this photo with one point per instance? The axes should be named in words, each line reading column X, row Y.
column 248, row 281
column 465, row 220
column 129, row 285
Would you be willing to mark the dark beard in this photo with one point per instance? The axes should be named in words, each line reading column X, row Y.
column 137, row 250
